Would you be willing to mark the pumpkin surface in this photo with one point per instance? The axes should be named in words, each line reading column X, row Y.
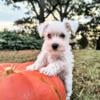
column 29, row 85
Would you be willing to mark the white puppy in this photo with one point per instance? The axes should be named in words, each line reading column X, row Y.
column 56, row 57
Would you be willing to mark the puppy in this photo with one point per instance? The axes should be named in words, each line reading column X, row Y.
column 56, row 57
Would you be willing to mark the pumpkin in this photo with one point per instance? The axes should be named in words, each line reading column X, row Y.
column 19, row 84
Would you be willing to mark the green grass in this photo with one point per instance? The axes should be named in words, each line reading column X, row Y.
column 86, row 85
column 86, row 75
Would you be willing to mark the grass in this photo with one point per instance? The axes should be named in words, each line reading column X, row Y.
column 86, row 75
column 86, row 85
column 18, row 56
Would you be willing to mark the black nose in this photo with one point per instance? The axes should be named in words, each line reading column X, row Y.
column 55, row 46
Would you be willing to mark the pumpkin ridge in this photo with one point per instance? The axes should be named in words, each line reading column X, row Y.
column 47, row 81
column 11, row 78
column 52, row 86
column 58, row 94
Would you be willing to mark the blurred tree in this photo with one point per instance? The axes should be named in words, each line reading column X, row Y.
column 98, row 44
column 60, row 9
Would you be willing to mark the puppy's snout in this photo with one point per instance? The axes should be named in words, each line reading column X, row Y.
column 55, row 46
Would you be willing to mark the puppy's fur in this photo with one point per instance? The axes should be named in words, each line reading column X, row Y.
column 56, row 57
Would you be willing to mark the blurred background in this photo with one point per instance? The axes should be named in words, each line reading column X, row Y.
column 20, row 42
column 19, row 18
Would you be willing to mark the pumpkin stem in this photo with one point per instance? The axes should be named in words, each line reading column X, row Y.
column 9, row 71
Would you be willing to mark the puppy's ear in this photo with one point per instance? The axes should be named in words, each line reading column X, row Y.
column 42, row 27
column 71, row 25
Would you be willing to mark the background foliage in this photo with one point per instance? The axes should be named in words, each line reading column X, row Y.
column 19, row 41
column 87, row 12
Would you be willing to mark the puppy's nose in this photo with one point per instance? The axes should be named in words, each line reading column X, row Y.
column 55, row 46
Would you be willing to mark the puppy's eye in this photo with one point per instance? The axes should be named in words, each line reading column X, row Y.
column 49, row 36
column 62, row 35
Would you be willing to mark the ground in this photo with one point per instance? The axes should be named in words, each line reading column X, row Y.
column 86, row 72
column 87, row 75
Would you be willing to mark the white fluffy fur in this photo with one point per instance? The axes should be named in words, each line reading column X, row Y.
column 56, row 62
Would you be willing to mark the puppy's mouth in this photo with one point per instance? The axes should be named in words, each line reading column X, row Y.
column 56, row 53
column 58, row 50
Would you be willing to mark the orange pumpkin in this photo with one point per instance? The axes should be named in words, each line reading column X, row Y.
column 29, row 85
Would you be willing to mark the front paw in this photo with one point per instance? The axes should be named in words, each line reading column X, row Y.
column 67, row 98
column 69, row 93
column 32, row 67
column 47, row 71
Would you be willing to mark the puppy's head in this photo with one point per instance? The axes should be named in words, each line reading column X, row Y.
column 57, row 34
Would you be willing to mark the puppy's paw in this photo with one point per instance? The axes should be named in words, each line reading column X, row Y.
column 67, row 98
column 68, row 94
column 32, row 67
column 47, row 71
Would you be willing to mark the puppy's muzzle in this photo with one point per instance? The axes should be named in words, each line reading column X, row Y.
column 55, row 46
